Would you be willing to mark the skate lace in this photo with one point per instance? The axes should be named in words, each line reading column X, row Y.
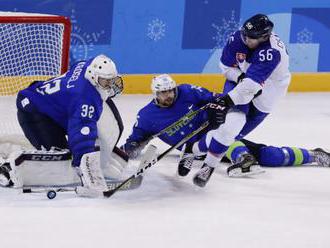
column 205, row 172
column 187, row 160
column 322, row 158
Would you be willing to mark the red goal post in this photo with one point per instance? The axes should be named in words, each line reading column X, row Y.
column 34, row 47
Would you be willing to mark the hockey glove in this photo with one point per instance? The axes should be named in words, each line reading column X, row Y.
column 217, row 111
column 240, row 78
column 133, row 149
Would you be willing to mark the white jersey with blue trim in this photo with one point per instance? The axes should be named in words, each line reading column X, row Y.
column 276, row 85
column 266, row 68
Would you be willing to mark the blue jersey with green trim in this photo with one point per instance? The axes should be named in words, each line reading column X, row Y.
column 152, row 118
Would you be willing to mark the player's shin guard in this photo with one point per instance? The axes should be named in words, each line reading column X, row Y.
column 284, row 156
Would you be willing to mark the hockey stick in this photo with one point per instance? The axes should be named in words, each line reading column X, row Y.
column 109, row 193
column 187, row 117
column 181, row 122
column 50, row 189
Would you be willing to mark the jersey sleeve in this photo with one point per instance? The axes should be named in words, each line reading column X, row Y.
column 82, row 129
column 228, row 56
column 141, row 129
column 263, row 64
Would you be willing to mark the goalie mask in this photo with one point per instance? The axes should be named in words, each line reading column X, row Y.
column 164, row 89
column 102, row 73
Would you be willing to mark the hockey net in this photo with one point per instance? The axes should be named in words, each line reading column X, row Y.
column 33, row 47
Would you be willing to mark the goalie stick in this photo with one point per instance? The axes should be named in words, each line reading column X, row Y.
column 148, row 164
column 132, row 184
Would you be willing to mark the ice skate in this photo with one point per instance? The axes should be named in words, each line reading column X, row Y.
column 186, row 161
column 321, row 157
column 245, row 166
column 203, row 175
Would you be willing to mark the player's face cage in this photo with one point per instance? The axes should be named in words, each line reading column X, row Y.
column 113, row 86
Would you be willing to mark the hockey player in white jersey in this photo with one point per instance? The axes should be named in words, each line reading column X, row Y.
column 255, row 63
column 74, row 111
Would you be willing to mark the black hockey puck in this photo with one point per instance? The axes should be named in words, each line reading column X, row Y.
column 51, row 194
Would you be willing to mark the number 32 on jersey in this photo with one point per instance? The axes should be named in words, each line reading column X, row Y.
column 87, row 111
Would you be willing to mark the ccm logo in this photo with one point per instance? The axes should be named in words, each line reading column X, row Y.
column 47, row 157
column 216, row 106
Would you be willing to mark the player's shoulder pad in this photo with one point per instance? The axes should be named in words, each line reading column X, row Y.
column 147, row 108
column 234, row 39
column 184, row 86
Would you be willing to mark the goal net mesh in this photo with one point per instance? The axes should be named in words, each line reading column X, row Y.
column 32, row 47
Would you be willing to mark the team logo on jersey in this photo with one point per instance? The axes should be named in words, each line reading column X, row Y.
column 240, row 57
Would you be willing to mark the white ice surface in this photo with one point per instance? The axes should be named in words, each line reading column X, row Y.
column 283, row 208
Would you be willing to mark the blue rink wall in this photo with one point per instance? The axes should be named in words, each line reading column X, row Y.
column 187, row 36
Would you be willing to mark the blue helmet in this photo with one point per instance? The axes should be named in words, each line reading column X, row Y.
column 258, row 26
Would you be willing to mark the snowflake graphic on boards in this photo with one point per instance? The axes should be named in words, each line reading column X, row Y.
column 224, row 30
column 304, row 37
column 156, row 29
column 82, row 43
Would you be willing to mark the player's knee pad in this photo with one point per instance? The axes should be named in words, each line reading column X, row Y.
column 227, row 132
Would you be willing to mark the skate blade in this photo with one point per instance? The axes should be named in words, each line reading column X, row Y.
column 254, row 170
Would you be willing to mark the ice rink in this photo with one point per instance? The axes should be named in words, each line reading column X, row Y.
column 282, row 208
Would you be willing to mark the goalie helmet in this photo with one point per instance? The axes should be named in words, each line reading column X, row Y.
column 258, row 26
column 102, row 73
column 163, row 83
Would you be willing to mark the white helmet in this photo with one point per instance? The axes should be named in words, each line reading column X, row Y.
column 102, row 73
column 162, row 82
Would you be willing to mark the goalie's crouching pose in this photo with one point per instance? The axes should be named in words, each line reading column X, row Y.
column 78, row 105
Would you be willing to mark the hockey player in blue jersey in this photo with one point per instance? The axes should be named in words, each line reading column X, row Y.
column 171, row 102
column 74, row 111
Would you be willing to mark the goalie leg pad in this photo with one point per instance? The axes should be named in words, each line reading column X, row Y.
column 91, row 172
